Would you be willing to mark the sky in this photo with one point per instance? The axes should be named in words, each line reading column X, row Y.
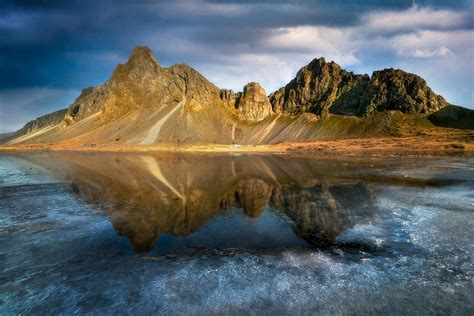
column 51, row 50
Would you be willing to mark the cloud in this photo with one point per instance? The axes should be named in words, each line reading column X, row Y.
column 428, row 44
column 203, row 8
column 443, row 58
column 269, row 70
column 269, row 56
column 14, row 21
column 414, row 18
column 333, row 43
column 439, row 52
column 109, row 57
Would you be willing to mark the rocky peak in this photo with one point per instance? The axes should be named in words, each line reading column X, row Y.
column 317, row 64
column 315, row 88
column 141, row 83
column 191, row 80
column 141, row 55
column 322, row 87
column 141, row 67
column 253, row 103
column 87, row 103
column 184, row 82
column 395, row 89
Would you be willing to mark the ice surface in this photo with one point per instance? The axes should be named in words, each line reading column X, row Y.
column 412, row 253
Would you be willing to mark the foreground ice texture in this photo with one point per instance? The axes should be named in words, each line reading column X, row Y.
column 142, row 234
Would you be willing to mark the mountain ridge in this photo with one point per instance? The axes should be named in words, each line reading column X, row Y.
column 143, row 103
column 322, row 87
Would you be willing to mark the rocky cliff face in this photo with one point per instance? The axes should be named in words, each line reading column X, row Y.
column 253, row 103
column 229, row 97
column 42, row 121
column 142, row 83
column 394, row 89
column 317, row 87
column 322, row 87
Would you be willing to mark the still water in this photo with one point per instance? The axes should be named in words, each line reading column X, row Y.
column 251, row 234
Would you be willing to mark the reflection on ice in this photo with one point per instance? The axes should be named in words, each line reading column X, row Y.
column 313, row 236
column 145, row 197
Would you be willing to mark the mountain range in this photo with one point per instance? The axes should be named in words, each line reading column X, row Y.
column 144, row 105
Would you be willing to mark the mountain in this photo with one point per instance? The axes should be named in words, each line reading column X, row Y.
column 35, row 127
column 322, row 87
column 140, row 84
column 317, row 87
column 144, row 104
column 6, row 135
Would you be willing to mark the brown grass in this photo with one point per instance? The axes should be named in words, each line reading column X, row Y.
column 416, row 145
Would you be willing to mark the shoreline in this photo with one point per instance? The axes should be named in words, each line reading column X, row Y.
column 410, row 146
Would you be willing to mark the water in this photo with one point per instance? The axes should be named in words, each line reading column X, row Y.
column 128, row 234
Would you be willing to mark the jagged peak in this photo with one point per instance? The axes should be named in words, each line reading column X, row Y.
column 317, row 65
column 253, row 84
column 317, row 62
column 86, row 91
column 253, row 103
column 192, row 76
column 141, row 54
column 140, row 66
column 320, row 63
column 177, row 68
column 395, row 72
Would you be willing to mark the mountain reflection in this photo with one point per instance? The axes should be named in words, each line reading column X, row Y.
column 146, row 196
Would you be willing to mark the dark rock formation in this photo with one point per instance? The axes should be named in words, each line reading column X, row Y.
column 42, row 121
column 317, row 87
column 453, row 116
column 394, row 89
column 89, row 102
column 320, row 87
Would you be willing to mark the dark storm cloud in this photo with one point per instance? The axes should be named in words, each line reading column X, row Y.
column 64, row 46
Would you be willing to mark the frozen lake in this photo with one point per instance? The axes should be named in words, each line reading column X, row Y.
column 249, row 234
